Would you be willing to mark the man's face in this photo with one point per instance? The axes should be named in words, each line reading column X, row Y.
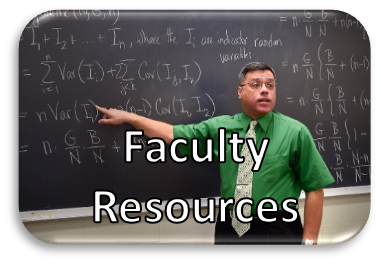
column 257, row 102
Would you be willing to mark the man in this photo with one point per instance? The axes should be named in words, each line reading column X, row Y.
column 291, row 163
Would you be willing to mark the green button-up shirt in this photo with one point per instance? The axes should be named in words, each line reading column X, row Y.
column 291, row 162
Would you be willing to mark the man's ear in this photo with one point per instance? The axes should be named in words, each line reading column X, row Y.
column 239, row 92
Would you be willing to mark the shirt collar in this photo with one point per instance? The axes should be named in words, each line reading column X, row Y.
column 263, row 121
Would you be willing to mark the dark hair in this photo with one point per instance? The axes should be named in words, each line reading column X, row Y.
column 253, row 66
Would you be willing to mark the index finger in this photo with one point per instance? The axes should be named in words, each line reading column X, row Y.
column 103, row 110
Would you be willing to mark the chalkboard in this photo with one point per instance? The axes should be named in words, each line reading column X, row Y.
column 178, row 67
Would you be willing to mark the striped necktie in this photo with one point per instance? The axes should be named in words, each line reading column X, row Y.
column 244, row 183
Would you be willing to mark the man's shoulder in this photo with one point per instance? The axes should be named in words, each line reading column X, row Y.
column 288, row 121
column 213, row 121
column 227, row 118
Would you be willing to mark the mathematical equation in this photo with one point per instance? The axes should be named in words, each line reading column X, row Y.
column 203, row 106
column 85, row 15
column 316, row 23
column 322, row 131
column 334, row 98
column 125, row 71
column 72, row 146
column 309, row 18
column 326, row 64
column 343, row 139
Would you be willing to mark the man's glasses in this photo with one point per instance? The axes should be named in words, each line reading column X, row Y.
column 258, row 84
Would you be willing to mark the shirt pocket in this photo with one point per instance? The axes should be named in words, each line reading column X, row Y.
column 272, row 168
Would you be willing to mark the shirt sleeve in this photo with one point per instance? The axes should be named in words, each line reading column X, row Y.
column 309, row 165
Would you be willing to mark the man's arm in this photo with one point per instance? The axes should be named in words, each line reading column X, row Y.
column 313, row 211
column 151, row 128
